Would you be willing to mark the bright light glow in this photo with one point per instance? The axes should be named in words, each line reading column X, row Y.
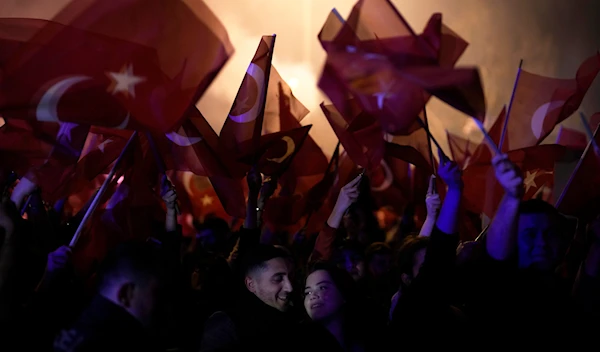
column 293, row 82
column 120, row 180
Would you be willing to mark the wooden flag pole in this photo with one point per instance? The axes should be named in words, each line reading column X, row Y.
column 510, row 103
column 574, row 172
column 100, row 192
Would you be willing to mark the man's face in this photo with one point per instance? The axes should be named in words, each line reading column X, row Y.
column 272, row 284
column 352, row 262
column 538, row 241
column 144, row 301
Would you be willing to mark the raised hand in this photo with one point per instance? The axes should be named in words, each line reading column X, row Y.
column 432, row 200
column 348, row 195
column 508, row 175
column 168, row 193
column 58, row 260
column 449, row 172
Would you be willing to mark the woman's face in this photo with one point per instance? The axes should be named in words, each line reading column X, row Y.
column 322, row 299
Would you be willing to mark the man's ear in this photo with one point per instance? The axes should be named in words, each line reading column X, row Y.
column 125, row 294
column 250, row 284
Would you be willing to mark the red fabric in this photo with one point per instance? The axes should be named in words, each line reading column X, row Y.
column 542, row 102
column 243, row 126
column 362, row 139
column 100, row 46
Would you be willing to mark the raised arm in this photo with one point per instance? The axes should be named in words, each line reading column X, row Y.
column 501, row 239
column 324, row 242
column 433, row 202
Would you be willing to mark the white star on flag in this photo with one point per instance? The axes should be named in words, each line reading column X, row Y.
column 125, row 81
column 65, row 130
column 206, row 200
column 529, row 180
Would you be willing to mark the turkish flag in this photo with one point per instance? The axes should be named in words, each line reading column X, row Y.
column 135, row 73
column 245, row 120
column 484, row 193
column 278, row 150
column 362, row 139
column 541, row 103
column 396, row 45
column 62, row 161
column 283, row 112
column 98, row 154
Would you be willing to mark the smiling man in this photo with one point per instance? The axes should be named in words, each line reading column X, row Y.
column 259, row 319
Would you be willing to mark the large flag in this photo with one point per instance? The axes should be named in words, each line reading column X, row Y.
column 245, row 120
column 542, row 102
column 141, row 73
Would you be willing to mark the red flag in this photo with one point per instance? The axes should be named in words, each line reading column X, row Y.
column 362, row 139
column 61, row 162
column 245, row 120
column 542, row 102
column 461, row 149
column 537, row 165
column 283, row 112
column 24, row 144
column 14, row 34
column 581, row 197
column 141, row 63
column 413, row 149
column 277, row 150
column 571, row 138
column 447, row 43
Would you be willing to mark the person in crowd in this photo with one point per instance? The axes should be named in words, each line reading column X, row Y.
column 122, row 313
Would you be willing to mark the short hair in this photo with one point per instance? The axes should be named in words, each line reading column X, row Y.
column 407, row 251
column 537, row 206
column 137, row 261
column 257, row 257
column 377, row 248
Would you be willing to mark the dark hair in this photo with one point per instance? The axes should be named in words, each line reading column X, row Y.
column 348, row 245
column 341, row 279
column 407, row 251
column 135, row 260
column 537, row 206
column 377, row 248
column 256, row 257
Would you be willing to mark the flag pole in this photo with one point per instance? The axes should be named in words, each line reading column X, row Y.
column 574, row 172
column 510, row 103
column 160, row 163
column 426, row 122
column 100, row 192
column 426, row 128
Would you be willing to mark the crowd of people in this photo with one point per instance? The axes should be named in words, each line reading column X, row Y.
column 366, row 282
